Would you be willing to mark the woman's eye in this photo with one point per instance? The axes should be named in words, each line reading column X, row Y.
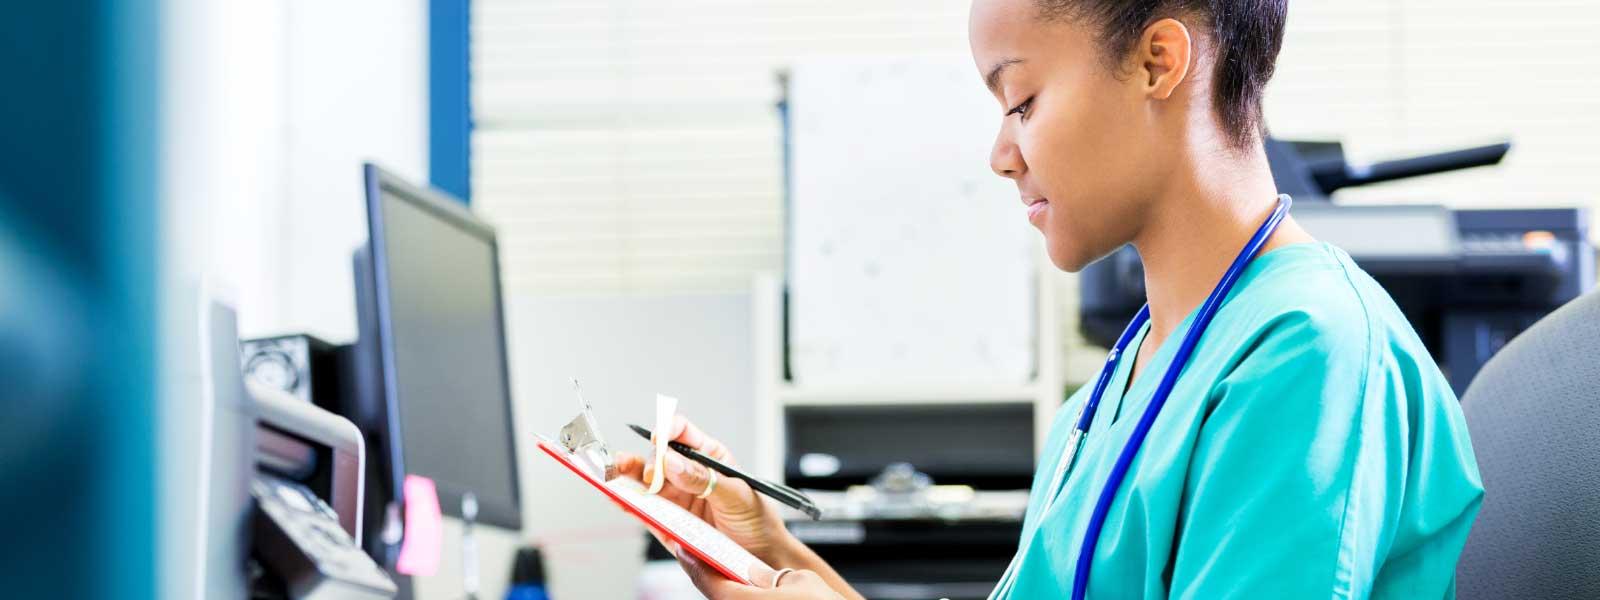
column 1021, row 109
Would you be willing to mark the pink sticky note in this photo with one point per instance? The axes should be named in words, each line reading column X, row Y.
column 420, row 548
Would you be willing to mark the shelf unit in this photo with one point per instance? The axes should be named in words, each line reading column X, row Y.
column 773, row 393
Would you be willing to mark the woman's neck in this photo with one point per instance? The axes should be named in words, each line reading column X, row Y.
column 1196, row 229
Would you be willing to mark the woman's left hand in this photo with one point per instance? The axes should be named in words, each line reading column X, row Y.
column 796, row 585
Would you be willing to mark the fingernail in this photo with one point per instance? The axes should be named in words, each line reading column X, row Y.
column 675, row 465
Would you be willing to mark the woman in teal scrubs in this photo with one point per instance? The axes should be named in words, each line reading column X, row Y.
column 1310, row 448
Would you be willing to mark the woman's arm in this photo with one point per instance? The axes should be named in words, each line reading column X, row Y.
column 1309, row 474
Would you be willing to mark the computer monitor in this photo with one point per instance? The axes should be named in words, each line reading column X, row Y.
column 432, row 392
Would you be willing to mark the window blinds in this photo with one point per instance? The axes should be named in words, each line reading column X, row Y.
column 636, row 146
column 633, row 146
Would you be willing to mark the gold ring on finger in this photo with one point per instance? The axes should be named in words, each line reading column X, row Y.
column 711, row 484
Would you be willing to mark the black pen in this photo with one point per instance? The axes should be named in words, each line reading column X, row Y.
column 777, row 491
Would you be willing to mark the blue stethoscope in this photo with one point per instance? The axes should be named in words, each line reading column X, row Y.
column 1119, row 471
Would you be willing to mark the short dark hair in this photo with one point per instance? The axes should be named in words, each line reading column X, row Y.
column 1245, row 34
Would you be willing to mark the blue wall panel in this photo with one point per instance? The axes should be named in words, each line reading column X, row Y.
column 78, row 224
column 449, row 97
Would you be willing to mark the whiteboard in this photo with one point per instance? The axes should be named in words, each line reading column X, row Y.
column 910, row 261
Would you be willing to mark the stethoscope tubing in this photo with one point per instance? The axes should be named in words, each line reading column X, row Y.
column 1141, row 430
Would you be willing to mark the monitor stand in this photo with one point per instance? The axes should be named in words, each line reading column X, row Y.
column 469, row 545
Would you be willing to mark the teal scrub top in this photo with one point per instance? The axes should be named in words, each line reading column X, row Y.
column 1311, row 449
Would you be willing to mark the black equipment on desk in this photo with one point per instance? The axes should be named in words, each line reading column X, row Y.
column 984, row 445
column 1468, row 280
column 915, row 559
column 302, row 365
column 901, row 544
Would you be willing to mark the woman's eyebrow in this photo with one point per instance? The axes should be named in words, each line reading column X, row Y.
column 992, row 79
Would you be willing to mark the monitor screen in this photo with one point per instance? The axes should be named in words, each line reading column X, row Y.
column 444, row 347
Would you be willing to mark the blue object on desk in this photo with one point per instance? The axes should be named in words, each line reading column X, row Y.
column 527, row 576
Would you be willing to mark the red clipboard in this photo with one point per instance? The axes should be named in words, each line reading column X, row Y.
column 670, row 520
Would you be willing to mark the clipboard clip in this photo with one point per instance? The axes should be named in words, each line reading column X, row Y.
column 581, row 437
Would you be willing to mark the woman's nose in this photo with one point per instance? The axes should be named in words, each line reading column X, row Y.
column 1005, row 158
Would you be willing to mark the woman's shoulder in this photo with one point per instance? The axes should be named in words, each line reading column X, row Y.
column 1304, row 290
column 1313, row 301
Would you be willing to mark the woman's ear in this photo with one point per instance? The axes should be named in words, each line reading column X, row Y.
column 1162, row 57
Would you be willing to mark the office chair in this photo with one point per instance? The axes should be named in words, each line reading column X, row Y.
column 1534, row 416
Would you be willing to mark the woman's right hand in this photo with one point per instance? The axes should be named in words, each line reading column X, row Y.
column 732, row 507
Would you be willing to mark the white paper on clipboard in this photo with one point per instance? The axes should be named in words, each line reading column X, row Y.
column 698, row 537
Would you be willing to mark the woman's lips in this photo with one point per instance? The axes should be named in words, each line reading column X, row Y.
column 1036, row 211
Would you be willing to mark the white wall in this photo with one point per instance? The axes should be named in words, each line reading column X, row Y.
column 221, row 180
column 356, row 91
column 288, row 99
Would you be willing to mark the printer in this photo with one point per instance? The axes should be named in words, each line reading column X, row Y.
column 1468, row 280
column 280, row 488
column 308, row 492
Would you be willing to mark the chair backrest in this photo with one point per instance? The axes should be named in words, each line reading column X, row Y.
column 1534, row 416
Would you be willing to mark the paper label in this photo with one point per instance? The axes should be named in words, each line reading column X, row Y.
column 666, row 408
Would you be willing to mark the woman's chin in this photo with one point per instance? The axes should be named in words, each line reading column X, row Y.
column 1065, row 256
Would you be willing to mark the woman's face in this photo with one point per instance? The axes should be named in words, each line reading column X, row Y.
column 1079, row 140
